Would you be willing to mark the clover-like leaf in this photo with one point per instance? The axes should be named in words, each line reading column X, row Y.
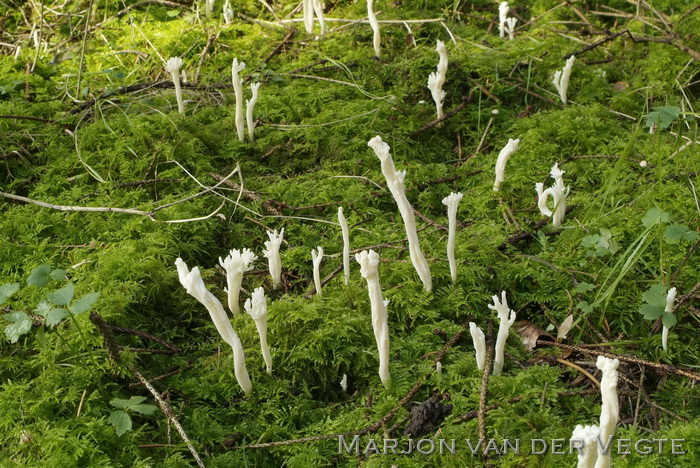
column 650, row 311
column 668, row 319
column 655, row 216
column 84, row 303
column 62, row 296
column 39, row 276
column 7, row 290
column 584, row 287
column 121, row 422
column 678, row 232
column 662, row 116
column 55, row 316
column 58, row 274
column 656, row 295
column 585, row 307
column 20, row 324
column 144, row 409
column 43, row 308
column 119, row 403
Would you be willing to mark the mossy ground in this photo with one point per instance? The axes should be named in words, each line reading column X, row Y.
column 310, row 157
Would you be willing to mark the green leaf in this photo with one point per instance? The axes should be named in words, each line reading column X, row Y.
column 656, row 295
column 62, row 296
column 7, row 290
column 590, row 241
column 654, row 216
column 43, row 308
column 143, row 409
column 135, row 400
column 677, row 232
column 84, row 303
column 662, row 116
column 21, row 324
column 584, row 287
column 39, row 276
column 58, row 274
column 55, row 316
column 669, row 320
column 585, row 307
column 651, row 312
column 119, row 403
column 121, row 422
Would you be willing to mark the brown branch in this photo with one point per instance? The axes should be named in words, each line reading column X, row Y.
column 465, row 101
column 662, row 368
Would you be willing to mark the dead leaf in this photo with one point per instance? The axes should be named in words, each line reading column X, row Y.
column 565, row 327
column 530, row 333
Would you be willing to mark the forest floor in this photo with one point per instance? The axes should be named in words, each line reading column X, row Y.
column 106, row 361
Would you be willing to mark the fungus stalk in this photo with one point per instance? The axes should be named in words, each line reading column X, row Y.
column 437, row 79
column 316, row 257
column 272, row 253
column 505, row 154
column 236, row 263
column 346, row 244
column 586, row 439
column 395, row 181
column 561, row 78
column 610, row 410
column 503, row 10
column 228, row 12
column 318, row 10
column 208, row 7
column 479, row 340
column 375, row 27
column 452, row 202
column 558, row 192
column 510, row 27
column 238, row 92
column 193, row 283
column 307, row 7
column 503, row 312
column 172, row 66
column 369, row 262
column 256, row 307
column 670, row 299
column 249, row 109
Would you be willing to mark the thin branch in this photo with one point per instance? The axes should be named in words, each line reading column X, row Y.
column 91, row 209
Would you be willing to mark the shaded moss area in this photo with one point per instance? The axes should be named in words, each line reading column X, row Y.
column 89, row 119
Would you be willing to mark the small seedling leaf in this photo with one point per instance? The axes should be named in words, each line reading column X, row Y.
column 62, row 296
column 584, row 287
column 7, row 290
column 662, row 116
column 21, row 324
column 58, row 274
column 668, row 319
column 43, row 308
column 119, row 403
column 651, row 312
column 656, row 295
column 55, row 316
column 121, row 422
column 655, row 216
column 585, row 307
column 84, row 303
column 678, row 232
column 143, row 409
column 39, row 276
